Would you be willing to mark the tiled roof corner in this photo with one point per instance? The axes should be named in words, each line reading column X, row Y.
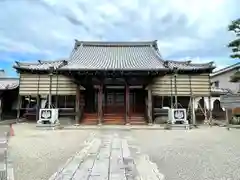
column 220, row 91
column 41, row 64
column 7, row 83
column 188, row 65
column 226, row 69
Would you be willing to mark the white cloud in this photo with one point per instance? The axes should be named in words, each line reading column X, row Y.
column 183, row 27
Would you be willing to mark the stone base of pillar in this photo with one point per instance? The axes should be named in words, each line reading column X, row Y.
column 99, row 124
column 127, row 124
column 76, row 124
column 206, row 122
column 150, row 124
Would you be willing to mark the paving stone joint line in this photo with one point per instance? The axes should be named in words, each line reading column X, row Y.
column 109, row 157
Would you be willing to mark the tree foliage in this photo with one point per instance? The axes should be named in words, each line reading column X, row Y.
column 235, row 44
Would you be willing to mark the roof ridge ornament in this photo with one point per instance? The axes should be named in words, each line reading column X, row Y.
column 166, row 64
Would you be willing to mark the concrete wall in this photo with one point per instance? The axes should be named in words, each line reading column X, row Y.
column 224, row 79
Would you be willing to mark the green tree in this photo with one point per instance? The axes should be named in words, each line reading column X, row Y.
column 235, row 45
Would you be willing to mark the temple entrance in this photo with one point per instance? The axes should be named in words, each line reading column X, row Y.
column 114, row 101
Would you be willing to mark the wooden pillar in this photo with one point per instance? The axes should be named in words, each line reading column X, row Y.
column 37, row 107
column 210, row 110
column 77, row 105
column 56, row 97
column 227, row 119
column 192, row 102
column 127, row 105
column 175, row 91
column 193, row 111
column 0, row 108
column 210, row 103
column 100, row 104
column 150, row 105
column 171, row 94
column 19, row 107
column 50, row 88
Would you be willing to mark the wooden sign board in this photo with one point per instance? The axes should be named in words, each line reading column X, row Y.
column 230, row 101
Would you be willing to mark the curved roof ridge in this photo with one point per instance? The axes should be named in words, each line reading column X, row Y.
column 52, row 61
column 203, row 64
column 180, row 62
column 114, row 43
column 17, row 63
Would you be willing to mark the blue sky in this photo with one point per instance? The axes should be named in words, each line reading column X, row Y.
column 185, row 29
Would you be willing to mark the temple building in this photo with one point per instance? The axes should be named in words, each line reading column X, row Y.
column 8, row 96
column 112, row 83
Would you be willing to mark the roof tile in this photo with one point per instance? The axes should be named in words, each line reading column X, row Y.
column 188, row 65
column 97, row 55
column 41, row 65
column 115, row 56
column 8, row 83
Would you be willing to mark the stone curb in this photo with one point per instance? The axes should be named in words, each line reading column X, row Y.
column 112, row 127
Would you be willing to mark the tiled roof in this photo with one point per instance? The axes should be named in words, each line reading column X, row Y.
column 97, row 55
column 41, row 65
column 188, row 65
column 226, row 69
column 8, row 83
column 220, row 91
column 115, row 56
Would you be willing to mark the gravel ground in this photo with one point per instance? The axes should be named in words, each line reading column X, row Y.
column 37, row 154
column 199, row 154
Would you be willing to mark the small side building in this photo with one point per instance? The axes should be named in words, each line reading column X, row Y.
column 224, row 82
column 223, row 78
column 8, row 96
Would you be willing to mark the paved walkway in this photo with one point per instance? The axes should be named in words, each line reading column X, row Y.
column 108, row 157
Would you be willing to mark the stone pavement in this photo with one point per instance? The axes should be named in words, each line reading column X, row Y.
column 107, row 156
column 6, row 169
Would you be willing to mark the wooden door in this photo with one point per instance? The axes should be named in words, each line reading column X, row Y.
column 137, row 101
column 114, row 101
